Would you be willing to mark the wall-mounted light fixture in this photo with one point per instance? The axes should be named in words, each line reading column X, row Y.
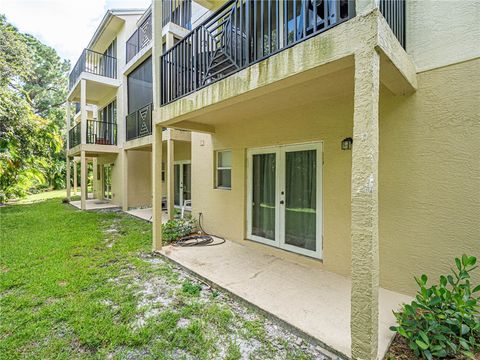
column 347, row 143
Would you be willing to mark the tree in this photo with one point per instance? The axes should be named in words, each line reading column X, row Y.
column 33, row 88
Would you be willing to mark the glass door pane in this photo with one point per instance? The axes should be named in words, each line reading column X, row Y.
column 186, row 182
column 107, row 182
column 263, row 195
column 301, row 199
column 176, row 181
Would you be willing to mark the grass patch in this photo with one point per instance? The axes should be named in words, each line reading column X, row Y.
column 84, row 285
column 42, row 196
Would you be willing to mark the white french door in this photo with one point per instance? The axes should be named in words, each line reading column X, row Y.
column 182, row 182
column 107, row 182
column 285, row 197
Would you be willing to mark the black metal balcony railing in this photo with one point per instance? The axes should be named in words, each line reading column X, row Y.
column 95, row 63
column 139, row 123
column 394, row 12
column 241, row 33
column 101, row 133
column 139, row 39
column 177, row 11
column 74, row 136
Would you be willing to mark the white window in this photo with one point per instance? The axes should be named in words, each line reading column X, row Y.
column 224, row 169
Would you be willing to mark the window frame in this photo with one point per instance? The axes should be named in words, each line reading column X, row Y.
column 217, row 168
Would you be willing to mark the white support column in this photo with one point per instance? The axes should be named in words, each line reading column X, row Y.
column 69, row 179
column 156, row 129
column 157, row 187
column 364, row 236
column 66, row 150
column 83, row 180
column 170, row 178
column 68, row 125
column 75, row 176
column 125, row 181
column 95, row 177
column 83, row 111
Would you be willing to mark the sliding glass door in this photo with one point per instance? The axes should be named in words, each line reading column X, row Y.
column 284, row 197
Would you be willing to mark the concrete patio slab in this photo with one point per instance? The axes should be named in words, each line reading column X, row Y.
column 146, row 214
column 95, row 204
column 315, row 301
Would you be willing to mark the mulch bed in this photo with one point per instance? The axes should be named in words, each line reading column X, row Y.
column 400, row 350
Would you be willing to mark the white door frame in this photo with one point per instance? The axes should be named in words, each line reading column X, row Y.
column 280, row 186
column 250, row 152
column 180, row 190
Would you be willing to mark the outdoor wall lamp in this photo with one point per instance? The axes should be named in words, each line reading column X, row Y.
column 347, row 143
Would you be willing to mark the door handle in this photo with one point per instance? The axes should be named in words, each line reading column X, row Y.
column 282, row 202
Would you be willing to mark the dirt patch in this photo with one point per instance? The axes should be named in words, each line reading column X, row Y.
column 167, row 287
column 111, row 233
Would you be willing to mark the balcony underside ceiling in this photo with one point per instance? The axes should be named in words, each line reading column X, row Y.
column 309, row 89
column 93, row 150
column 211, row 4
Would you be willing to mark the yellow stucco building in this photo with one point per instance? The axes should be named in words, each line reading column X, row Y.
column 341, row 134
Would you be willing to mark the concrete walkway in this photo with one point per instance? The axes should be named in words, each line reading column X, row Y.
column 95, row 204
column 146, row 214
column 311, row 299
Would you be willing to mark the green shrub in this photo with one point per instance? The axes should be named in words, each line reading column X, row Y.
column 177, row 228
column 444, row 319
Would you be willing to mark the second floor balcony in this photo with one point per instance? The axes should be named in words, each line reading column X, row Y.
column 139, row 39
column 97, row 133
column 241, row 33
column 244, row 32
column 139, row 123
column 178, row 12
column 94, row 63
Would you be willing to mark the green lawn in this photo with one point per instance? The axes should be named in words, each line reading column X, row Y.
column 44, row 196
column 84, row 285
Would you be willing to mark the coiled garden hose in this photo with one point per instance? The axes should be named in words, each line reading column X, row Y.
column 203, row 239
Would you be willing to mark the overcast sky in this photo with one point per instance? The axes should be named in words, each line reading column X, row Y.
column 66, row 25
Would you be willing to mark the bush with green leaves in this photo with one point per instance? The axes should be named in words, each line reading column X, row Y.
column 444, row 319
column 177, row 228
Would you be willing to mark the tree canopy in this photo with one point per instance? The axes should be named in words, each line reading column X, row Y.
column 33, row 88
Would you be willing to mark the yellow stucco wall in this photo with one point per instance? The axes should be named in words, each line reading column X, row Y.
column 442, row 32
column 429, row 176
column 139, row 178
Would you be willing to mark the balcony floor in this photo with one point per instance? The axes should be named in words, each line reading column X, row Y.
column 311, row 299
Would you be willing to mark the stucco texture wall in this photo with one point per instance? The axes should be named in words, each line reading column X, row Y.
column 429, row 174
column 139, row 178
column 429, row 183
column 442, row 32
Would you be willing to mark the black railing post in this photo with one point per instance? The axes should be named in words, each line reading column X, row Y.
column 394, row 13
